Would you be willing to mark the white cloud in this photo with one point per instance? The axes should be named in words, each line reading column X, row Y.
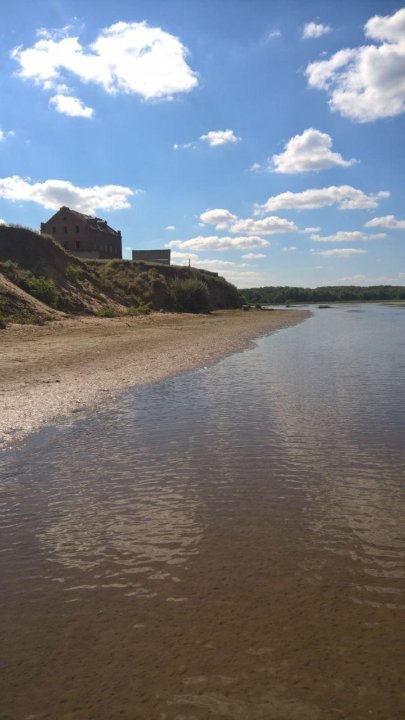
column 290, row 248
column 309, row 152
column 246, row 278
column 311, row 229
column 2, row 222
column 234, row 272
column 219, row 217
column 341, row 252
column 390, row 28
column 223, row 219
column 368, row 82
column 352, row 279
column 268, row 226
column 182, row 258
column 388, row 221
column 214, row 138
column 68, row 105
column 6, row 134
column 344, row 236
column 273, row 34
column 125, row 58
column 170, row 227
column 52, row 194
column 184, row 146
column 214, row 242
column 254, row 256
column 255, row 167
column 315, row 30
column 344, row 196
column 216, row 265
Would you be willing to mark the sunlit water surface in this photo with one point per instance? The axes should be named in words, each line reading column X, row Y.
column 226, row 544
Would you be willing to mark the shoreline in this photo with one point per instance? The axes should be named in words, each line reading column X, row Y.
column 68, row 366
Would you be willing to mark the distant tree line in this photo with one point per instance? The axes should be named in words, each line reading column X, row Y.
column 334, row 293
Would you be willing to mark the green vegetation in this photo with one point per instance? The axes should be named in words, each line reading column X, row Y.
column 41, row 288
column 73, row 273
column 105, row 312
column 190, row 295
column 334, row 293
column 140, row 310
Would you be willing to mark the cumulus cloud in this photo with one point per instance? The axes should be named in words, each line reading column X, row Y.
column 170, row 227
column 52, row 194
column 223, row 219
column 127, row 57
column 219, row 137
column 347, row 236
column 68, row 105
column 311, row 230
column 254, row 256
column 216, row 265
column 387, row 221
column 368, row 82
column 214, row 138
column 270, row 225
column 340, row 252
column 315, row 30
column 2, row 222
column 290, row 248
column 309, row 152
column 214, row 242
column 219, row 217
column 345, row 197
column 183, row 258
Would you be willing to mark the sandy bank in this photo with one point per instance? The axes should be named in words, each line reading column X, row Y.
column 67, row 366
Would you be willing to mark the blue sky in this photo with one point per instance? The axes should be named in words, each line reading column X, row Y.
column 259, row 138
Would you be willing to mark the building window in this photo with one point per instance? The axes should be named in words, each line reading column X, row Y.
column 54, row 229
column 65, row 229
column 77, row 244
column 77, row 228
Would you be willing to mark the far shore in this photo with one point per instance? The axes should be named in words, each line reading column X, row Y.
column 67, row 366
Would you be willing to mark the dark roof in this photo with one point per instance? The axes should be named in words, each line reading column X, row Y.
column 94, row 222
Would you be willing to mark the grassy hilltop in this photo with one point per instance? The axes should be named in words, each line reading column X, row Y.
column 39, row 280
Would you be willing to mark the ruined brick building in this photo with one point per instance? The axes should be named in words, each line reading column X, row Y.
column 83, row 235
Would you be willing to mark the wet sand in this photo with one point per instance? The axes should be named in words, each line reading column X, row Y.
column 67, row 366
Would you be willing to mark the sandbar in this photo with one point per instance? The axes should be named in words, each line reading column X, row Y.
column 69, row 365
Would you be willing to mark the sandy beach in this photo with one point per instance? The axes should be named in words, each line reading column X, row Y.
column 67, row 366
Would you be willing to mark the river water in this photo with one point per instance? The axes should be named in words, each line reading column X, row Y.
column 226, row 544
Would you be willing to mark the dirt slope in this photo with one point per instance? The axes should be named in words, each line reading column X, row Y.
column 35, row 268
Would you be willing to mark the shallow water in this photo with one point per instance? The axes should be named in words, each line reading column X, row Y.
column 226, row 544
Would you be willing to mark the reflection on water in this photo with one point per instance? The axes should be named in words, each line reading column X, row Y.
column 229, row 543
